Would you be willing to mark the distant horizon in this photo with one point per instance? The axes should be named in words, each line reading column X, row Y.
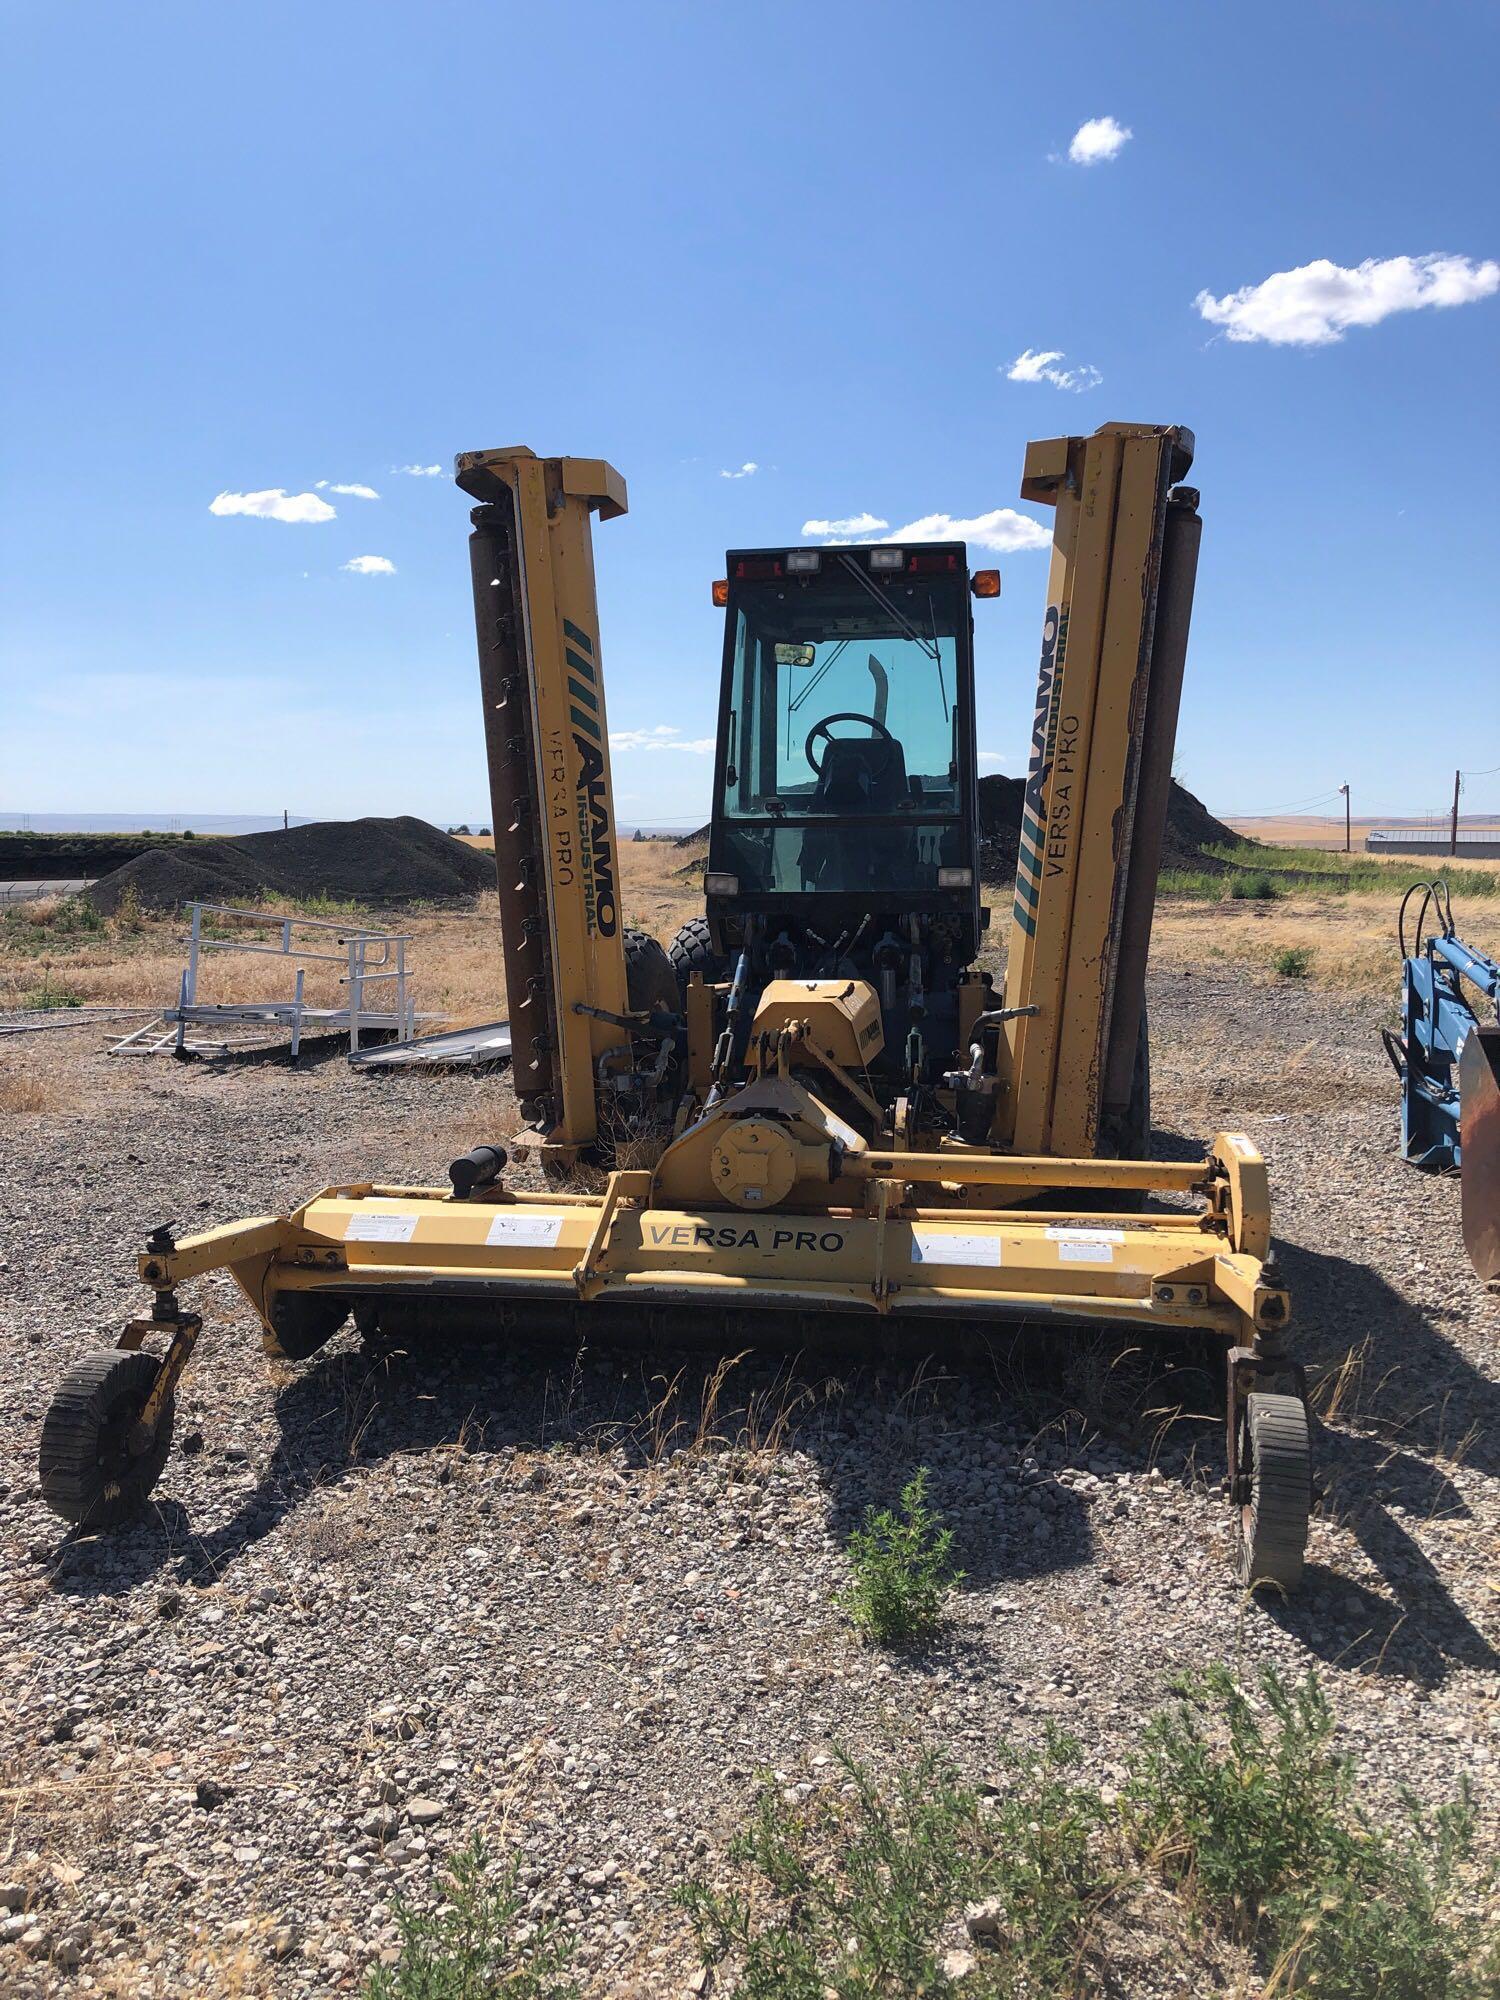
column 234, row 824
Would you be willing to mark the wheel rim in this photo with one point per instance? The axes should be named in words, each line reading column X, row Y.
column 114, row 1456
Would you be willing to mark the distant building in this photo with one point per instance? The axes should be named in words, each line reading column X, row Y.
column 1474, row 843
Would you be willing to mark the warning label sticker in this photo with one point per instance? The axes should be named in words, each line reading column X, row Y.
column 946, row 1246
column 369, row 1228
column 1080, row 1250
column 536, row 1232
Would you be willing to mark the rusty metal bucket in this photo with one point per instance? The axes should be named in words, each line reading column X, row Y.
column 1479, row 1126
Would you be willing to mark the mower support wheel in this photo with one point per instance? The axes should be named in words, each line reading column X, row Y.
column 1275, row 1466
column 95, row 1472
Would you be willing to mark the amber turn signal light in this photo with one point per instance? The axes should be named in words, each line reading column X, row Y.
column 721, row 591
column 985, row 583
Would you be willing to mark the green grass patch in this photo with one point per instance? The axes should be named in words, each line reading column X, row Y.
column 1318, row 871
column 1248, row 871
column 1293, row 961
column 476, row 1946
column 48, row 995
column 902, row 1570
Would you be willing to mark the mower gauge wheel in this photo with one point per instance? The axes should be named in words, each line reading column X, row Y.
column 93, row 1472
column 1275, row 1460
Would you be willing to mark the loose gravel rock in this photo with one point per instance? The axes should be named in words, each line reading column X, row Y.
column 577, row 1599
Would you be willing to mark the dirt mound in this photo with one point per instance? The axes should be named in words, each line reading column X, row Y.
column 1191, row 829
column 350, row 861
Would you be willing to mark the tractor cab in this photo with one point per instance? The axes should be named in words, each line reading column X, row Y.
column 845, row 771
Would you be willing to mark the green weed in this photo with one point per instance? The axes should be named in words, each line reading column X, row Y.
column 476, row 1947
column 902, row 1569
column 848, row 1892
column 47, row 995
column 1239, row 1800
column 1293, row 961
column 1261, row 887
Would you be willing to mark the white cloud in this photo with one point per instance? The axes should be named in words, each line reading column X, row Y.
column 1003, row 530
column 1040, row 365
column 1097, row 139
column 420, row 471
column 841, row 531
column 370, row 566
column 1317, row 303
column 355, row 492
column 991, row 757
column 275, row 504
column 747, row 471
column 662, row 737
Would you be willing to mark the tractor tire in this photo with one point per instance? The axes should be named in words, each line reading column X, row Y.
column 1275, row 1456
column 693, row 951
column 90, row 1476
column 650, row 985
column 301, row 1323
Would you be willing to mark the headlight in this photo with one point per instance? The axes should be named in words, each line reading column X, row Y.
column 715, row 884
column 955, row 878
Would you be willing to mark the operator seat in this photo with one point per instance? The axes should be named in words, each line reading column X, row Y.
column 860, row 775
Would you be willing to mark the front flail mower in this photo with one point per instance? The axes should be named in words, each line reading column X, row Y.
column 817, row 1115
column 886, row 1245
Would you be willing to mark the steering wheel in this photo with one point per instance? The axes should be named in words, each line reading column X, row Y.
column 882, row 735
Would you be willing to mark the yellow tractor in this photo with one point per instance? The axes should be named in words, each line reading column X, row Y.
column 816, row 1112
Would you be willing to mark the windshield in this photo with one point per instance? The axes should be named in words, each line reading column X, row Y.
column 844, row 697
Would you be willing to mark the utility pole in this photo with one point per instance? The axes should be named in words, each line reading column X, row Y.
column 285, row 821
column 1453, row 823
column 1348, row 847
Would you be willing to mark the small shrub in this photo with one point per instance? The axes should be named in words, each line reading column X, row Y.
column 1254, row 1819
column 1293, row 961
column 1257, row 888
column 1240, row 1818
column 474, row 1949
column 849, row 1892
column 902, row 1569
column 47, row 995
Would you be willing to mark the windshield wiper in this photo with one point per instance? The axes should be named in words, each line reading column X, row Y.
column 863, row 577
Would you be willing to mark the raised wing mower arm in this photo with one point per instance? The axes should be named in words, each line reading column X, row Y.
column 547, row 742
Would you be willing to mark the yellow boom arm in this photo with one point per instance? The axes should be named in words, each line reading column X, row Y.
column 547, row 742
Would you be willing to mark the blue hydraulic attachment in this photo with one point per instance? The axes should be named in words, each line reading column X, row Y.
column 1448, row 1061
column 1436, row 1021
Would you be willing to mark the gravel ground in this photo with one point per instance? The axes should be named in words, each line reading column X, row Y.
column 578, row 1600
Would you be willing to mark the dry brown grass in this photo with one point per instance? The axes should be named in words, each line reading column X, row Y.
column 32, row 1091
column 1352, row 938
column 457, row 969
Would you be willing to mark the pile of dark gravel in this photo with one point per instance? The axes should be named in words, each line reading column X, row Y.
column 401, row 860
column 1191, row 830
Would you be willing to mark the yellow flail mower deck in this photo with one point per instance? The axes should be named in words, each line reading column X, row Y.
column 409, row 1263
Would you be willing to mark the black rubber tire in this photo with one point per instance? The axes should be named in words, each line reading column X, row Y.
column 649, row 980
column 692, row 950
column 89, row 1475
column 1275, row 1454
column 301, row 1323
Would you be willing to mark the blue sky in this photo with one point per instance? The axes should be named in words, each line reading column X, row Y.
column 249, row 250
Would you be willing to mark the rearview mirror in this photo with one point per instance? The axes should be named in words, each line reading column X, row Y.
column 795, row 656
